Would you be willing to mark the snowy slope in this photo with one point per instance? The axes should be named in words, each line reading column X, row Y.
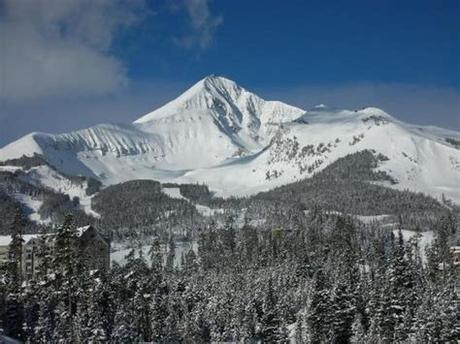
column 174, row 192
column 213, row 121
column 47, row 177
column 44, row 177
column 220, row 134
column 420, row 160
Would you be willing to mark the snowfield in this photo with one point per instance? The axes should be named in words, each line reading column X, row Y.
column 238, row 144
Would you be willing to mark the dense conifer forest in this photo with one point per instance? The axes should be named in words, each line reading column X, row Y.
column 330, row 280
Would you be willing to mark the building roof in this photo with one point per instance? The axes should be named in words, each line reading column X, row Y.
column 5, row 240
column 82, row 230
column 8, row 340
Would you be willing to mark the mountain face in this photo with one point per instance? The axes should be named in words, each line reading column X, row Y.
column 220, row 134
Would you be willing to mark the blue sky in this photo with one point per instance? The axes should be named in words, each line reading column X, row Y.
column 74, row 63
column 311, row 42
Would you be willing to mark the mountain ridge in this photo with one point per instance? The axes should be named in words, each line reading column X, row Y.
column 239, row 144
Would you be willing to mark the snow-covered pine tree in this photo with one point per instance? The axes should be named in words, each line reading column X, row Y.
column 343, row 313
column 170, row 254
column 156, row 257
column 270, row 322
column 15, row 251
column 320, row 309
column 14, row 308
column 65, row 265
column 358, row 332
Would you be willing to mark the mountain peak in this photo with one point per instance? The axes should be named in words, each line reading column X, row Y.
column 222, row 97
column 219, row 81
column 201, row 96
column 215, row 85
column 215, row 78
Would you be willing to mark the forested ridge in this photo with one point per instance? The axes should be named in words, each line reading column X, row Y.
column 351, row 185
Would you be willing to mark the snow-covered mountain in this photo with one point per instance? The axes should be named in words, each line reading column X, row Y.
column 211, row 122
column 220, row 134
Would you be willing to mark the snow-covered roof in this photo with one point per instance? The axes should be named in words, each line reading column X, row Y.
column 8, row 340
column 82, row 230
column 5, row 240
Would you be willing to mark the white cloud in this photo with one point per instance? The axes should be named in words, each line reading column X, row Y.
column 203, row 24
column 57, row 47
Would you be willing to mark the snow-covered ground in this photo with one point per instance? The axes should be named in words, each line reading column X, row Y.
column 52, row 179
column 424, row 239
column 206, row 211
column 373, row 218
column 11, row 169
column 47, row 177
column 174, row 192
column 6, row 239
column 34, row 205
column 119, row 252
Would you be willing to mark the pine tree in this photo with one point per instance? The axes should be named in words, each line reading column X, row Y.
column 358, row 333
column 15, row 252
column 319, row 312
column 172, row 322
column 91, row 317
column 343, row 313
column 44, row 258
column 248, row 322
column 159, row 314
column 437, row 319
column 449, row 315
column 14, row 316
column 191, row 262
column 14, row 308
column 402, row 292
column 65, row 253
column 43, row 329
column 300, row 336
column 171, row 254
column 270, row 322
column 65, row 264
column 156, row 257
column 125, row 330
column 46, row 300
